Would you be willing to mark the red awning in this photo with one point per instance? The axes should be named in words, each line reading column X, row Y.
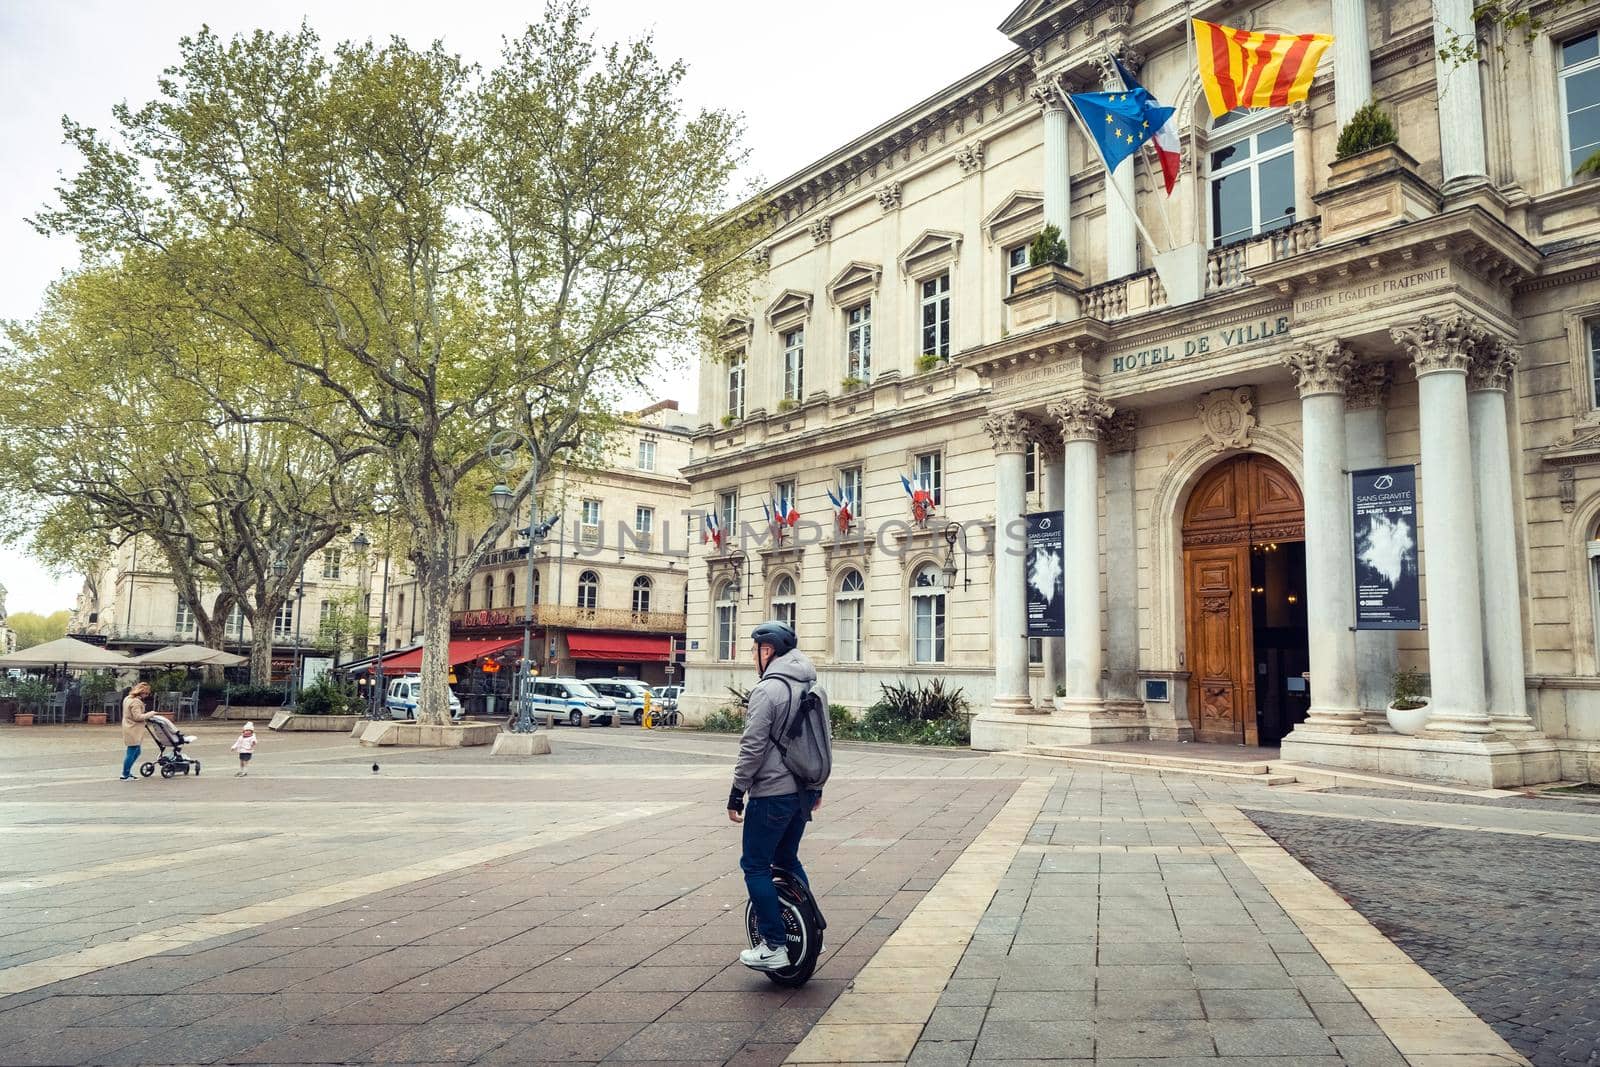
column 621, row 647
column 464, row 651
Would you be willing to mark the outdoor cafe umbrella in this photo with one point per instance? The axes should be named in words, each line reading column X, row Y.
column 66, row 652
column 188, row 656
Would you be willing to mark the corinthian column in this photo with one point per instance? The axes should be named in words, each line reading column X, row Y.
column 1122, row 236
column 1487, row 380
column 1082, row 419
column 1120, row 437
column 1352, row 61
column 1321, row 372
column 1366, row 445
column 1011, row 435
column 1052, row 99
column 1440, row 354
column 1460, row 97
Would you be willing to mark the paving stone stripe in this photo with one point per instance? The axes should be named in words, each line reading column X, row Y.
column 72, row 964
column 883, row 1012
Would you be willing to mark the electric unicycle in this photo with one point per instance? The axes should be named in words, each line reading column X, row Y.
column 802, row 925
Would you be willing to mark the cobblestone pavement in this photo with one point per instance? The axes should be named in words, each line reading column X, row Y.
column 1504, row 922
column 1526, row 801
column 585, row 907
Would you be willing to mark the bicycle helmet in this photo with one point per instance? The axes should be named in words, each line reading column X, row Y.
column 776, row 634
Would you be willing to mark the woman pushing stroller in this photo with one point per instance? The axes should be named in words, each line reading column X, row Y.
column 134, row 716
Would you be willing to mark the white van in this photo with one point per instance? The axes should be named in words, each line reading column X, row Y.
column 570, row 699
column 402, row 696
column 632, row 697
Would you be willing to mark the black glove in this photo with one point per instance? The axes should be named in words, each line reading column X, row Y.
column 735, row 800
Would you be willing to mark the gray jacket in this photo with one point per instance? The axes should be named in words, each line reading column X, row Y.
column 760, row 770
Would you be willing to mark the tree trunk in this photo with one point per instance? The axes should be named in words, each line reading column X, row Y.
column 261, row 645
column 433, row 586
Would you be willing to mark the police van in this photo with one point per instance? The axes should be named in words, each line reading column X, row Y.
column 632, row 697
column 570, row 699
column 402, row 696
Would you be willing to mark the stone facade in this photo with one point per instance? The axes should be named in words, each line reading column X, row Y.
column 1411, row 306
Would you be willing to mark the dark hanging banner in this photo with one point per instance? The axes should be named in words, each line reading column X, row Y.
column 1384, row 514
column 1045, row 576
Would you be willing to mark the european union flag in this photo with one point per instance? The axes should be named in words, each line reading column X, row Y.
column 1120, row 122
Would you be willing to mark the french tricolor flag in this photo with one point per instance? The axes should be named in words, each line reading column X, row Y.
column 712, row 531
column 1165, row 140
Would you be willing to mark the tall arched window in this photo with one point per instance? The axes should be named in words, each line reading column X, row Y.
column 488, row 591
column 588, row 590
column 641, row 594
column 1251, row 175
column 927, row 615
column 849, row 609
column 727, row 621
column 511, row 589
column 535, row 587
column 783, row 604
column 1593, row 549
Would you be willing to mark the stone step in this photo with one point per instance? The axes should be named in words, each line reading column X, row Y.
column 1106, row 754
column 1212, row 770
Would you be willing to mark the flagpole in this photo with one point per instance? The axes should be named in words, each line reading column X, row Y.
column 1110, row 179
column 1144, row 149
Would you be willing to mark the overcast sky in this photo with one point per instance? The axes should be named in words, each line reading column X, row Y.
column 807, row 79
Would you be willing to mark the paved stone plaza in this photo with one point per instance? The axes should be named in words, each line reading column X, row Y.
column 585, row 907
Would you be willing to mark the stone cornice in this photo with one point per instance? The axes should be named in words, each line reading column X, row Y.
column 1080, row 337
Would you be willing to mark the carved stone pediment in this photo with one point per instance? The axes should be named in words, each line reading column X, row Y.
column 857, row 282
column 789, row 308
column 1574, row 450
column 932, row 249
column 736, row 330
column 1019, row 215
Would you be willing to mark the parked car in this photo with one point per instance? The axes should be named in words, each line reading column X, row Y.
column 632, row 697
column 401, row 698
column 570, row 699
column 667, row 694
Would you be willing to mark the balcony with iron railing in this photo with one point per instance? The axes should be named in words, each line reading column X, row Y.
column 1226, row 269
column 567, row 617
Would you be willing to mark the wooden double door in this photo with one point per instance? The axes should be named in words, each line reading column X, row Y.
column 1240, row 513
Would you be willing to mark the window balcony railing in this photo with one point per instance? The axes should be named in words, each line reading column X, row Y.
column 1226, row 268
column 568, row 616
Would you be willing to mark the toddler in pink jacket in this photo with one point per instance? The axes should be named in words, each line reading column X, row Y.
column 245, row 746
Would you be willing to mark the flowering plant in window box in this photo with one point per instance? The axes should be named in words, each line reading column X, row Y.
column 727, row 420
column 928, row 361
column 788, row 403
column 851, row 383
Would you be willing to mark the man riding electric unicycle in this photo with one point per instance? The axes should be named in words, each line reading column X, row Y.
column 785, row 757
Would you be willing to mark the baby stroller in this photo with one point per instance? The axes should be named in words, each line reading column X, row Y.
column 167, row 736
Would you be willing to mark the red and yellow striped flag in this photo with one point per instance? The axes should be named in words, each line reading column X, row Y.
column 1243, row 69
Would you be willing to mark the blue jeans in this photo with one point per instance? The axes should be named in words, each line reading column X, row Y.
column 772, row 830
column 128, row 760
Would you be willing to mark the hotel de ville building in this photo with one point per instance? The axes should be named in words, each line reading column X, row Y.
column 1430, row 308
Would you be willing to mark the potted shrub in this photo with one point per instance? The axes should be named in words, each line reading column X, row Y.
column 927, row 362
column 92, row 690
column 31, row 695
column 851, row 383
column 788, row 403
column 727, row 420
column 1369, row 128
column 1060, row 699
column 1408, row 711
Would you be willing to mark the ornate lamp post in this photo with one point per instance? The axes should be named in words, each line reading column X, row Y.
column 500, row 496
column 952, row 534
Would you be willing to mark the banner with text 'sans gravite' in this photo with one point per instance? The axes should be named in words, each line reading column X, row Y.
column 1045, row 576
column 1384, row 527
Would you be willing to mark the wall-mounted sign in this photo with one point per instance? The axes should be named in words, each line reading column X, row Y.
column 1384, row 524
column 1045, row 576
column 1200, row 343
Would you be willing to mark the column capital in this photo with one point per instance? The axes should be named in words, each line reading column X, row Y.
column 1081, row 418
column 1121, row 433
column 1049, row 93
column 1009, row 432
column 1437, row 345
column 1493, row 365
column 1050, row 448
column 1368, row 386
column 1299, row 114
column 1110, row 77
column 1320, row 368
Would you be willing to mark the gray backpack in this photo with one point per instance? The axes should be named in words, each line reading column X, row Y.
column 805, row 741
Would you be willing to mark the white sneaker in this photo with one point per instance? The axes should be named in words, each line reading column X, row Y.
column 765, row 958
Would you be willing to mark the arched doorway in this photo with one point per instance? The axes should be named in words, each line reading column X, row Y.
column 1244, row 571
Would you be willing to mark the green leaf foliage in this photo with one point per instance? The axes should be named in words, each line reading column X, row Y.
column 1370, row 127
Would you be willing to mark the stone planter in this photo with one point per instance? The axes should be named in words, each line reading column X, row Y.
column 246, row 713
column 1045, row 295
column 411, row 733
column 1059, row 703
column 1407, row 720
column 289, row 722
column 96, row 718
column 1374, row 190
column 23, row 718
